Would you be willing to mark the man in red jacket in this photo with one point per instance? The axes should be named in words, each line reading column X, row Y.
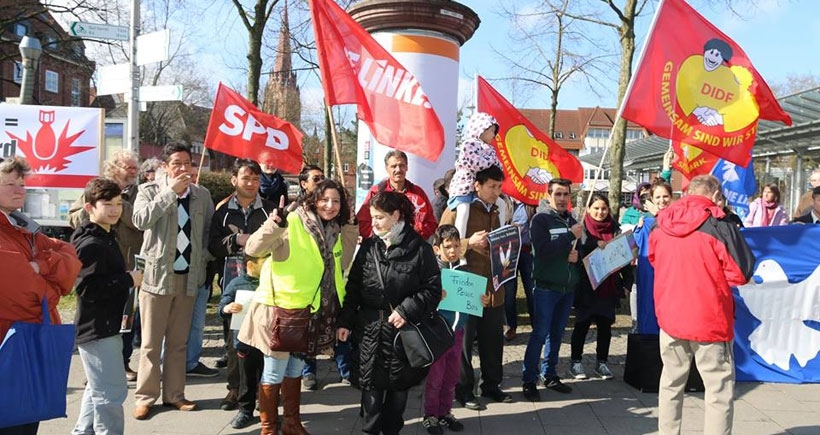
column 694, row 303
column 395, row 164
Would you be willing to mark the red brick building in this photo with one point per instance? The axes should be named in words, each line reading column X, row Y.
column 64, row 72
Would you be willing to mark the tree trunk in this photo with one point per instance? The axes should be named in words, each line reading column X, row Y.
column 255, row 51
column 553, row 111
column 617, row 148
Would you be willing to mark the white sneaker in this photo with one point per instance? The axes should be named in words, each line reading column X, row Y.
column 576, row 370
column 603, row 371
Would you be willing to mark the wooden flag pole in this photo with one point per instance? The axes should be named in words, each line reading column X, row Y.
column 201, row 162
column 336, row 152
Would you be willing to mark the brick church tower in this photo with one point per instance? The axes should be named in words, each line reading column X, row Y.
column 281, row 96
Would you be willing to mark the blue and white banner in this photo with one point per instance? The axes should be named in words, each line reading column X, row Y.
column 777, row 328
column 738, row 183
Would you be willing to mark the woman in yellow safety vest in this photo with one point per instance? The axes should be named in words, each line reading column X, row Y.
column 309, row 250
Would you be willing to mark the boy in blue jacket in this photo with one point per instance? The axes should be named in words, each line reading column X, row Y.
column 250, row 358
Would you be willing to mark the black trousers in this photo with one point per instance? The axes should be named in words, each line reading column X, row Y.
column 251, row 363
column 25, row 429
column 489, row 331
column 383, row 411
column 579, row 335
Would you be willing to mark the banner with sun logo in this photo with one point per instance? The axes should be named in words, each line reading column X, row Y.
column 695, row 85
column 61, row 144
column 528, row 156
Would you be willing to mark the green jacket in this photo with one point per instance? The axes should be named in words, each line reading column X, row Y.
column 552, row 241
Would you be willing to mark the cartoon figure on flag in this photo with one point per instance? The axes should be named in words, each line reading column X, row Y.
column 696, row 86
column 716, row 93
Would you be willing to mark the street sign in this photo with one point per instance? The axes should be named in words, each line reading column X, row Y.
column 161, row 93
column 153, row 47
column 113, row 79
column 98, row 31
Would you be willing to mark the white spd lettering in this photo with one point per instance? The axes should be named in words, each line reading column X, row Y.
column 234, row 125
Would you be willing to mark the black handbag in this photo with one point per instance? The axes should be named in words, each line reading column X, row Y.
column 423, row 342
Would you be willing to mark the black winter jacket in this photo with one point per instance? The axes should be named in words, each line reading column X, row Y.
column 413, row 282
column 102, row 285
column 228, row 221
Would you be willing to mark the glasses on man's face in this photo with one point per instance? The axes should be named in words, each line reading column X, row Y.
column 317, row 178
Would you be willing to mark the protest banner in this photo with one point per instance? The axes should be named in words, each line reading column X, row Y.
column 505, row 246
column 462, row 292
column 61, row 144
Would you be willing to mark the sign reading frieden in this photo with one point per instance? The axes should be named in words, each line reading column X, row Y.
column 61, row 144
column 462, row 292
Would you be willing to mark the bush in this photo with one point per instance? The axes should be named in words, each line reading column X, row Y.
column 218, row 183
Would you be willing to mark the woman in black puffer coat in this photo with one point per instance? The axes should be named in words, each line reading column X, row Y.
column 373, row 312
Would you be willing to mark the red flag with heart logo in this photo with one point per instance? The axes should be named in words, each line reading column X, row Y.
column 528, row 156
column 692, row 161
column 697, row 86
column 240, row 129
column 355, row 69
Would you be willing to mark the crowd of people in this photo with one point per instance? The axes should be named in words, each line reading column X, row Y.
column 304, row 255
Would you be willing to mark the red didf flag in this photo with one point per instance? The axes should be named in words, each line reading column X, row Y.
column 692, row 161
column 695, row 85
column 529, row 157
column 355, row 69
column 240, row 129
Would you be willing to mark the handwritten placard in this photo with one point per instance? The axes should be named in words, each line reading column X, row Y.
column 463, row 291
column 619, row 252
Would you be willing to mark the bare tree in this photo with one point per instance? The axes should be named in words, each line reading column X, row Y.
column 549, row 47
column 254, row 20
column 794, row 83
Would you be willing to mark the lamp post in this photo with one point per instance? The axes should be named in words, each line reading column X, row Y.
column 31, row 50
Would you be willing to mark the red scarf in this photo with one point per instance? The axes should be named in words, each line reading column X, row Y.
column 768, row 211
column 602, row 230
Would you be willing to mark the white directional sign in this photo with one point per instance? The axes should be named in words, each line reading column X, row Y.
column 153, row 47
column 161, row 93
column 113, row 79
column 98, row 31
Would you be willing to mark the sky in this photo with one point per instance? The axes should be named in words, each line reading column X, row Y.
column 780, row 36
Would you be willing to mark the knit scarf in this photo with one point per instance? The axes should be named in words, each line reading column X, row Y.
column 769, row 208
column 602, row 230
column 325, row 234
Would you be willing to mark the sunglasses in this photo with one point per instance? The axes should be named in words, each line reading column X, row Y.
column 317, row 178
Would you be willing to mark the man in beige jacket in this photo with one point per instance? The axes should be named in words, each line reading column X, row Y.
column 175, row 216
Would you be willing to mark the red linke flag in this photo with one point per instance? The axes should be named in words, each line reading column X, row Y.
column 240, row 129
column 697, row 86
column 530, row 158
column 357, row 70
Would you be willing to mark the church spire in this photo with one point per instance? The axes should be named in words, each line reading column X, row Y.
column 281, row 96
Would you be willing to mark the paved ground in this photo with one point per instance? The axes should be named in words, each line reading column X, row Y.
column 594, row 407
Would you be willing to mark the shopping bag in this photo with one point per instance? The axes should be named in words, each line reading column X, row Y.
column 34, row 363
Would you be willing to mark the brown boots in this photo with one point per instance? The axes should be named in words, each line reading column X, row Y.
column 291, row 399
column 268, row 404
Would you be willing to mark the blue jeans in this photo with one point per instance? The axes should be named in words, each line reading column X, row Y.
column 197, row 332
column 342, row 356
column 551, row 312
column 510, row 305
column 276, row 369
column 101, row 406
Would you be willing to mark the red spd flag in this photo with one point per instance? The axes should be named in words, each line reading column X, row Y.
column 692, row 161
column 695, row 85
column 355, row 69
column 530, row 158
column 240, row 129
